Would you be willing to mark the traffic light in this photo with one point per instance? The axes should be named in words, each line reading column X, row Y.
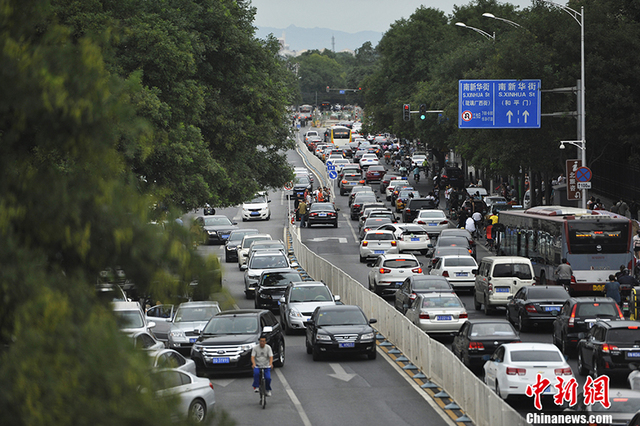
column 327, row 89
column 423, row 111
column 406, row 112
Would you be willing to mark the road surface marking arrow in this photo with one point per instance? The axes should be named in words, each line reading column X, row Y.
column 341, row 240
column 509, row 114
column 340, row 374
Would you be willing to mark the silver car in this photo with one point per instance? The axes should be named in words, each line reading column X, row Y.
column 243, row 247
column 300, row 300
column 257, row 263
column 433, row 221
column 376, row 243
column 189, row 319
column 438, row 313
column 196, row 397
column 389, row 271
column 168, row 358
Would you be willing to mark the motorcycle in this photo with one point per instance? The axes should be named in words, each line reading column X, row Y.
column 403, row 171
column 208, row 210
column 416, row 177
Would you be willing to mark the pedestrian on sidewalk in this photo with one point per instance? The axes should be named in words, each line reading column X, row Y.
column 302, row 211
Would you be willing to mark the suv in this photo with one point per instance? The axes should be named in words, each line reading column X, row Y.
column 260, row 261
column 410, row 211
column 451, row 176
column 359, row 200
column 190, row 318
column 390, row 270
column 226, row 341
column 578, row 315
column 271, row 287
column 300, row 300
column 609, row 348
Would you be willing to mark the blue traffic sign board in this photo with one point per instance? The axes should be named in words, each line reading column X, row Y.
column 583, row 174
column 499, row 104
column 342, row 92
column 333, row 175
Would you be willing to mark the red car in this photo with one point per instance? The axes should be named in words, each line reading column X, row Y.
column 374, row 173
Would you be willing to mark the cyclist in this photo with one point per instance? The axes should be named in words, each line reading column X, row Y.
column 416, row 173
column 262, row 357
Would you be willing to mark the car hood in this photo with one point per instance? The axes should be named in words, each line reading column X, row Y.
column 309, row 306
column 227, row 339
column 247, row 206
column 345, row 329
column 188, row 326
column 220, row 227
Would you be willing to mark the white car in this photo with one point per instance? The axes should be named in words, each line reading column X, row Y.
column 189, row 319
column 389, row 271
column 376, row 243
column 144, row 340
column 339, row 163
column 417, row 160
column 300, row 300
column 168, row 358
column 410, row 237
column 433, row 221
column 196, row 397
column 392, row 186
column 457, row 270
column 257, row 208
column 438, row 313
column 245, row 244
column 130, row 318
column 514, row 366
column 369, row 160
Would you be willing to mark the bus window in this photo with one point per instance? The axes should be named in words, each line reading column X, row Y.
column 340, row 135
column 598, row 237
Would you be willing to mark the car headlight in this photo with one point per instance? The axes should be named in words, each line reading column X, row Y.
column 197, row 348
column 265, row 296
column 253, row 277
column 212, row 232
column 177, row 334
column 367, row 336
column 247, row 347
column 230, row 248
column 295, row 313
column 323, row 337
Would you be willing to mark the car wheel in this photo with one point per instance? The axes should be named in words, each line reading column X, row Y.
column 244, row 220
column 373, row 354
column 335, row 225
column 476, row 305
column 315, row 354
column 248, row 294
column 198, row 411
column 543, row 278
column 497, row 389
column 309, row 348
column 363, row 259
column 285, row 326
column 581, row 368
column 227, row 259
column 281, row 355
column 595, row 370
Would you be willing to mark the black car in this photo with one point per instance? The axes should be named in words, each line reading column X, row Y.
column 451, row 176
column 231, row 246
column 216, row 228
column 577, row 315
column 322, row 214
column 451, row 232
column 301, row 184
column 340, row 329
column 535, row 305
column 358, row 201
column 271, row 287
column 609, row 348
column 478, row 339
column 385, row 181
column 416, row 284
column 410, row 211
column 226, row 341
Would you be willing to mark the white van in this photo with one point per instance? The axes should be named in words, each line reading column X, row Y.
column 498, row 278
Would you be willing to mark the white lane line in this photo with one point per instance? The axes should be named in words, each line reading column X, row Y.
column 294, row 398
column 347, row 218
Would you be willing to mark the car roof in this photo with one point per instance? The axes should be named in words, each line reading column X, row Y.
column 398, row 256
column 267, row 252
column 588, row 299
column 455, row 256
column 125, row 306
column 206, row 303
column 339, row 308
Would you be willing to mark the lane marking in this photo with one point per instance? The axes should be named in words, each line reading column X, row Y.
column 294, row 398
column 347, row 218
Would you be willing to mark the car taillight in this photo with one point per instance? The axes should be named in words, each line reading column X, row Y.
column 619, row 312
column 470, row 251
column 572, row 318
column 606, row 348
column 394, row 243
column 332, row 214
column 313, row 214
column 357, row 205
column 444, row 222
column 445, row 273
column 573, row 279
column 408, row 210
column 463, row 315
column 344, row 181
column 531, row 308
column 417, row 270
column 490, row 288
column 211, row 385
column 512, row 371
column 476, row 345
column 420, row 222
column 563, row 371
column 385, row 271
column 424, row 316
column 365, row 243
column 413, row 296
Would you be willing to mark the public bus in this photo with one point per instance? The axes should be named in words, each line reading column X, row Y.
column 305, row 112
column 594, row 243
column 339, row 135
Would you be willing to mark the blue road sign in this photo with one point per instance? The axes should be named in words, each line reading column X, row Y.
column 342, row 92
column 583, row 174
column 499, row 104
column 333, row 175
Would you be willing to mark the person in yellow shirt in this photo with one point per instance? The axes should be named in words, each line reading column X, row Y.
column 493, row 218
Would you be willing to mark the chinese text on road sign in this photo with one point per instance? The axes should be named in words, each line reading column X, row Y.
column 499, row 104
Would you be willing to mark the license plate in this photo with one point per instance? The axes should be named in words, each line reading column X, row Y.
column 461, row 274
column 398, row 284
column 255, row 213
column 443, row 317
column 552, row 308
column 432, row 224
column 502, row 289
column 193, row 339
column 225, row 236
column 347, row 345
column 353, row 183
column 633, row 354
column 322, row 215
column 378, row 252
column 415, row 239
column 220, row 360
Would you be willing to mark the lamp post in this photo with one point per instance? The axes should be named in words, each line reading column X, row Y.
column 582, row 142
column 478, row 30
column 492, row 16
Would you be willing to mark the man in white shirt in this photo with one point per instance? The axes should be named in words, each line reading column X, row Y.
column 262, row 357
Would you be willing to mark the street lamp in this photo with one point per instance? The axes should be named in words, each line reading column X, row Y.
column 478, row 30
column 582, row 143
column 492, row 16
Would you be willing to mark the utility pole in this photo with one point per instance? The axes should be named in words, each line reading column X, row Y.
column 333, row 44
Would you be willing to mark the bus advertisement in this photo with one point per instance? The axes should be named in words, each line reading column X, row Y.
column 595, row 245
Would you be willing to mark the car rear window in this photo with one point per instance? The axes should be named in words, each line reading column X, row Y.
column 453, row 241
column 548, row 293
column 624, row 335
column 460, row 261
column 596, row 309
column 431, row 215
column 535, row 356
column 382, row 236
column 266, row 262
column 280, row 279
column 400, row 263
column 422, row 204
column 512, row 270
column 414, row 231
column 430, row 284
column 492, row 329
column 441, row 302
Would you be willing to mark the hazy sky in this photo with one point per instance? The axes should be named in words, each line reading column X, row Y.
column 348, row 15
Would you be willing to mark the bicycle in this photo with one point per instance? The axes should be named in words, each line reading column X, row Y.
column 263, row 389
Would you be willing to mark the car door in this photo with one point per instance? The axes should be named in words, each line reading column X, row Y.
column 402, row 296
column 514, row 305
column 591, row 344
column 162, row 315
column 558, row 323
column 459, row 340
column 491, row 367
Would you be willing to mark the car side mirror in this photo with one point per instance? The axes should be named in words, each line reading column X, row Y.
column 196, row 331
column 243, row 268
column 308, row 323
column 509, row 297
column 337, row 209
column 268, row 201
column 234, row 223
column 372, row 320
column 474, row 271
column 430, row 245
column 282, row 300
column 421, row 264
column 151, row 324
column 336, row 297
column 267, row 329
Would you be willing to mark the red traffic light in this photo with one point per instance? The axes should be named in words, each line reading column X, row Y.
column 406, row 106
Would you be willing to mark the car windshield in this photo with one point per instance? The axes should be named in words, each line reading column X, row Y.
column 430, row 215
column 376, row 221
column 547, row 293
column 452, row 241
column 216, row 221
column 236, row 324
column 258, row 199
column 536, row 356
column 400, row 263
column 460, row 261
column 512, row 270
column 302, row 180
column 129, row 319
column 493, row 329
column 247, row 241
column 274, row 279
column 238, row 235
column 379, row 236
column 200, row 313
column 342, row 317
column 441, row 302
column 420, row 283
column 266, row 262
column 596, row 309
column 319, row 293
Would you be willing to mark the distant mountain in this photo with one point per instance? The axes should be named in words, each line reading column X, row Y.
column 318, row 38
